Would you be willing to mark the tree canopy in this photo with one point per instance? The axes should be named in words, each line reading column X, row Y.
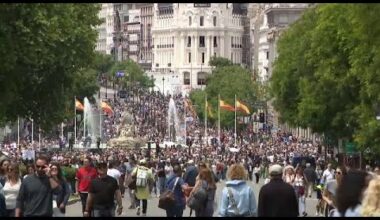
column 227, row 80
column 326, row 76
column 43, row 49
column 133, row 73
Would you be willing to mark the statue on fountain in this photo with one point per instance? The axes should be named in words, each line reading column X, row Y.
column 126, row 138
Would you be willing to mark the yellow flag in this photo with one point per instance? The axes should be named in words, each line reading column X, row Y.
column 209, row 110
column 242, row 107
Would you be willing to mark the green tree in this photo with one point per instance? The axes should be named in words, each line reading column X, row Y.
column 43, row 47
column 326, row 73
column 134, row 74
column 103, row 63
column 226, row 80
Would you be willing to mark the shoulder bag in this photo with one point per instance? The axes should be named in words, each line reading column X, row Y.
column 167, row 198
column 198, row 199
column 131, row 181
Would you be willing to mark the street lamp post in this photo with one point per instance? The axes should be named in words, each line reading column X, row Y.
column 163, row 85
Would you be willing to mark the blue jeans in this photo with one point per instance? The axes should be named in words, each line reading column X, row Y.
column 161, row 184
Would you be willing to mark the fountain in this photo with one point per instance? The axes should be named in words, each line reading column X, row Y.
column 89, row 121
column 126, row 138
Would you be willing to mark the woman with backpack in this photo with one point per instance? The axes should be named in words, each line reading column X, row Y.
column 206, row 181
column 177, row 185
column 238, row 198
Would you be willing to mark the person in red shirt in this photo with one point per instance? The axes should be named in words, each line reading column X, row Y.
column 83, row 177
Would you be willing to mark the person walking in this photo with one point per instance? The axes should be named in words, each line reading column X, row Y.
column 161, row 176
column 102, row 193
column 61, row 199
column 371, row 199
column 11, row 188
column 277, row 198
column 310, row 178
column 299, row 187
column 350, row 193
column 238, row 199
column 205, row 180
column 176, row 182
column 331, row 186
column 144, row 178
column 35, row 198
column 83, row 177
column 130, row 166
column 190, row 176
column 256, row 171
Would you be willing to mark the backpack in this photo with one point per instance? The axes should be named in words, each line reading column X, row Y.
column 142, row 178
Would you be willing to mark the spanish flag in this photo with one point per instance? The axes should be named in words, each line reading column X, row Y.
column 107, row 108
column 78, row 105
column 242, row 107
column 226, row 106
column 208, row 107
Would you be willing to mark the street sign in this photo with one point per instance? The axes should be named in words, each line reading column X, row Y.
column 120, row 74
column 350, row 147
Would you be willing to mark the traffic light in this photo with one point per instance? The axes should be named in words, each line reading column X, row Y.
column 262, row 117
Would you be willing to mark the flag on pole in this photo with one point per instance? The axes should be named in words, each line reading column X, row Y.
column 225, row 106
column 242, row 107
column 78, row 105
column 208, row 107
column 106, row 108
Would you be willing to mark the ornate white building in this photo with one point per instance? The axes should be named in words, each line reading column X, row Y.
column 186, row 35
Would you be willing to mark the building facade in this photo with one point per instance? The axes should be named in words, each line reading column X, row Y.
column 267, row 23
column 146, row 55
column 104, row 43
column 187, row 35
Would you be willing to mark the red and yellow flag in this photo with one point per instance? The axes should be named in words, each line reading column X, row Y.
column 241, row 107
column 78, row 105
column 106, row 108
column 226, row 106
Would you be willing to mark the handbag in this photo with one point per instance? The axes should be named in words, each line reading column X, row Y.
column 131, row 181
column 167, row 198
column 198, row 199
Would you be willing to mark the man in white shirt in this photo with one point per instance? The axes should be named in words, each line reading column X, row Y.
column 327, row 175
column 113, row 172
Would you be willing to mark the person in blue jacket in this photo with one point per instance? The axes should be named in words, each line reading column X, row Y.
column 238, row 199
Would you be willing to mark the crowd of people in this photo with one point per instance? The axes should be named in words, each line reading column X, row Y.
column 292, row 168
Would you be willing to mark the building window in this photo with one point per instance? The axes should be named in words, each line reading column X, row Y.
column 157, row 65
column 186, row 78
column 188, row 41
column 201, row 41
column 232, row 57
column 189, row 57
column 201, row 78
column 214, row 21
column 215, row 41
column 232, row 42
column 267, row 55
column 126, row 18
column 201, row 21
column 203, row 57
column 214, row 54
column 190, row 21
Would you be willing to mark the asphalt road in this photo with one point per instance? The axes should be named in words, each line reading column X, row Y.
column 154, row 211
